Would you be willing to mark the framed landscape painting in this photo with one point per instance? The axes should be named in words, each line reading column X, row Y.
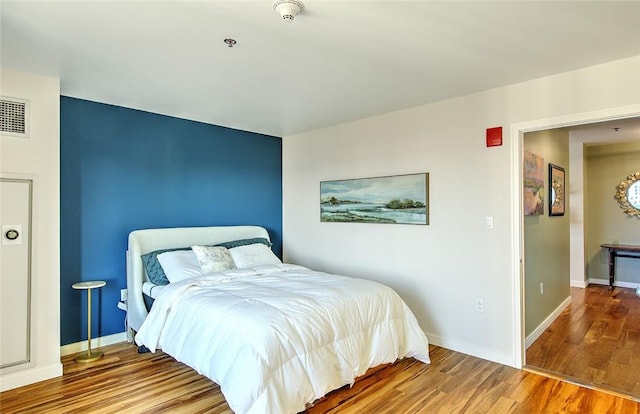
column 533, row 186
column 398, row 199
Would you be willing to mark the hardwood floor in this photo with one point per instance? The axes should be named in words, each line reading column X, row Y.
column 596, row 340
column 127, row 382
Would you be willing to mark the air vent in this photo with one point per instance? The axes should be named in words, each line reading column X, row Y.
column 14, row 117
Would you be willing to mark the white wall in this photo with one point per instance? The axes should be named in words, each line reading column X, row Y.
column 440, row 269
column 38, row 157
column 576, row 200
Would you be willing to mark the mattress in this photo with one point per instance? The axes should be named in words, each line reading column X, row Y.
column 152, row 290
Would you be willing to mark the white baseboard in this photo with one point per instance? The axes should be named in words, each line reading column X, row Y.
column 529, row 340
column 95, row 343
column 472, row 350
column 593, row 281
column 28, row 376
column 617, row 283
column 579, row 283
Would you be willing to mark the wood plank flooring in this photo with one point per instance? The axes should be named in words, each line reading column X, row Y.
column 127, row 382
column 596, row 340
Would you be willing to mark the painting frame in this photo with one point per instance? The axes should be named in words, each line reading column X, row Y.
column 392, row 199
column 557, row 190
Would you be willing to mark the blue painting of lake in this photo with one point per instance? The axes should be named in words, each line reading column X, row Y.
column 401, row 199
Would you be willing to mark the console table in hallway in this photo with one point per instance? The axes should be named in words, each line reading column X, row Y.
column 619, row 250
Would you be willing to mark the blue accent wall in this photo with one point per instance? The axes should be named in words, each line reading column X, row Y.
column 123, row 169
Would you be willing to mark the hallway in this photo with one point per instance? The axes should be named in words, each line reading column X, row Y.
column 595, row 340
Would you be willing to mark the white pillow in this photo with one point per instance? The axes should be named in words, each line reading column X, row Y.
column 213, row 258
column 253, row 255
column 179, row 265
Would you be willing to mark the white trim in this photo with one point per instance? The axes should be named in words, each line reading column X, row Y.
column 517, row 247
column 618, row 283
column 547, row 323
column 26, row 377
column 469, row 349
column 517, row 257
column 579, row 284
column 76, row 347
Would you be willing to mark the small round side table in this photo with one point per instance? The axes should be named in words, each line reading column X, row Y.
column 89, row 356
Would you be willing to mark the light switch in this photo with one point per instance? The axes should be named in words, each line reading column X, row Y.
column 488, row 222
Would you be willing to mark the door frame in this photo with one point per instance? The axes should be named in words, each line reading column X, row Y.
column 517, row 132
column 31, row 327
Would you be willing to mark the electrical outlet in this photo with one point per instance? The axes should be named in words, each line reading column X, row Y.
column 479, row 305
column 542, row 288
column 123, row 295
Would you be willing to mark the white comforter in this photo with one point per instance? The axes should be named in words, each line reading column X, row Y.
column 278, row 337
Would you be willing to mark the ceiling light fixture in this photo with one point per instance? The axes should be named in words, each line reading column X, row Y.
column 288, row 9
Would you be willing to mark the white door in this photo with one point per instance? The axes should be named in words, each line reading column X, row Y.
column 15, row 271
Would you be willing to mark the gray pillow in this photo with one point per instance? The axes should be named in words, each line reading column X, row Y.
column 244, row 242
column 153, row 267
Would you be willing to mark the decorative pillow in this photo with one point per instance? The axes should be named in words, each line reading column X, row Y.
column 244, row 242
column 154, row 270
column 179, row 265
column 213, row 258
column 252, row 255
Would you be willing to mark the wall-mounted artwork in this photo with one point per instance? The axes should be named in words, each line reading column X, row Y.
column 628, row 194
column 556, row 190
column 533, row 186
column 400, row 199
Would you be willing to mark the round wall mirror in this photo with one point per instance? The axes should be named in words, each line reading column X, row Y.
column 633, row 194
column 628, row 194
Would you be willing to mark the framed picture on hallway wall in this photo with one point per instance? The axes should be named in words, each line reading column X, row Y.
column 533, row 185
column 556, row 190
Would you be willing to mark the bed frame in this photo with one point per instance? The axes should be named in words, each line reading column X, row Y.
column 145, row 241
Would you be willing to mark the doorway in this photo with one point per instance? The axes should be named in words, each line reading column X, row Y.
column 15, row 282
column 518, row 264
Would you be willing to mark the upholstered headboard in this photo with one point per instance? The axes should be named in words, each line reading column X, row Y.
column 149, row 240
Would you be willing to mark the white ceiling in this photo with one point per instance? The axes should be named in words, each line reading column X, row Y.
column 338, row 61
column 609, row 132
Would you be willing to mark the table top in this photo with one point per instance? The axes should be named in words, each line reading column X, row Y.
column 90, row 284
column 625, row 247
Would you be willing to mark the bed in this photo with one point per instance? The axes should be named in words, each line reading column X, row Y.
column 274, row 336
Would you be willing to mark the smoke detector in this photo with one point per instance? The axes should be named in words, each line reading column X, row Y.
column 288, row 9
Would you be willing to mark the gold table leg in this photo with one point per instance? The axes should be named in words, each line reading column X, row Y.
column 89, row 356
